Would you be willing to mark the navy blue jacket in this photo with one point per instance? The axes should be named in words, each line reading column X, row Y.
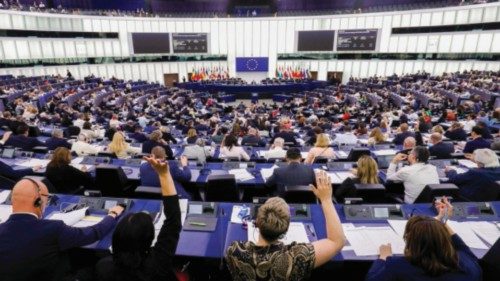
column 148, row 145
column 456, row 135
column 53, row 143
column 285, row 135
column 14, row 174
column 23, row 142
column 477, row 184
column 400, row 138
column 399, row 268
column 138, row 137
column 31, row 249
column 442, row 150
column 477, row 143
column 291, row 174
column 150, row 178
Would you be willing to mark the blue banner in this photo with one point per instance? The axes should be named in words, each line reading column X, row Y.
column 252, row 64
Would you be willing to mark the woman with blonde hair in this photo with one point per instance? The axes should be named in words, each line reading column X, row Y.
column 321, row 149
column 437, row 129
column 376, row 137
column 191, row 136
column 120, row 147
column 366, row 173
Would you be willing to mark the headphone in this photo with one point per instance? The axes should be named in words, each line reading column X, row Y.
column 38, row 201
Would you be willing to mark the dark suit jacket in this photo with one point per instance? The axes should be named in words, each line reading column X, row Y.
column 477, row 184
column 32, row 249
column 472, row 145
column 287, row 136
column 491, row 263
column 14, row 174
column 149, row 177
column 148, row 145
column 442, row 150
column 456, row 135
column 400, row 138
column 53, row 143
column 292, row 174
column 138, row 137
column 23, row 142
column 252, row 140
column 67, row 179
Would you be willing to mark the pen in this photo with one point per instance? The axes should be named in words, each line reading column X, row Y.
column 310, row 230
column 197, row 223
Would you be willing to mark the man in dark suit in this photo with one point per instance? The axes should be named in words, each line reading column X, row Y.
column 477, row 140
column 402, row 135
column 138, row 135
column 253, row 138
column 295, row 173
column 57, row 140
column 287, row 135
column 32, row 248
column 440, row 149
column 21, row 140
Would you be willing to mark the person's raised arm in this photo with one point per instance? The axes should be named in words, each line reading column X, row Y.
column 325, row 249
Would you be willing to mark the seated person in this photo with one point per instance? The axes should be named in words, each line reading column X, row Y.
column 155, row 139
column 365, row 173
column 477, row 141
column 321, row 149
column 166, row 135
column 133, row 257
column 295, row 173
column 286, row 134
column 408, row 145
column 138, row 135
column 192, row 136
column 57, row 140
column 89, row 132
column 402, row 134
column 180, row 174
column 376, row 137
column 121, row 148
column 64, row 177
column 478, row 184
column 82, row 148
column 433, row 251
column 198, row 151
column 456, row 132
column 440, row 149
column 15, row 174
column 252, row 138
column 21, row 139
column 230, row 149
column 276, row 150
column 270, row 259
column 414, row 176
column 347, row 137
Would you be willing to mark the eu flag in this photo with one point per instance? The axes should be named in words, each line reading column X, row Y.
column 252, row 64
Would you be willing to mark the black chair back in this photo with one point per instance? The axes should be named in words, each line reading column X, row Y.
column 357, row 152
column 370, row 192
column 111, row 180
column 71, row 131
column 107, row 154
column 299, row 194
column 435, row 190
column 221, row 188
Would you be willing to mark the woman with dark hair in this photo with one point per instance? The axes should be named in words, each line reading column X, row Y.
column 64, row 177
column 432, row 252
column 133, row 257
column 230, row 148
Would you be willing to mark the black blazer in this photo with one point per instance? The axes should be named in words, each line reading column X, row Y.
column 23, row 142
column 67, row 179
column 53, row 143
column 148, row 145
column 157, row 265
column 346, row 189
column 442, row 150
column 400, row 138
column 32, row 249
column 456, row 135
column 291, row 174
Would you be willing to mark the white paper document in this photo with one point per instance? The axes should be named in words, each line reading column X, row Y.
column 5, row 211
column 334, row 178
column 398, row 226
column 241, row 174
column 343, row 175
column 304, row 154
column 467, row 234
column 88, row 221
column 34, row 163
column 296, row 233
column 385, row 152
column 4, row 194
column 341, row 154
column 69, row 218
column 366, row 241
column 267, row 173
column 467, row 163
column 235, row 214
column 488, row 231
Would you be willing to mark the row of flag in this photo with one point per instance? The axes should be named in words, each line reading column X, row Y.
column 290, row 72
column 207, row 73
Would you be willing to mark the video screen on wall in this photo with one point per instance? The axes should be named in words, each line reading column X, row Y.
column 151, row 43
column 320, row 40
column 190, row 42
column 357, row 40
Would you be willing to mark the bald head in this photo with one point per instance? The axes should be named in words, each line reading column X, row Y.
column 409, row 143
column 24, row 195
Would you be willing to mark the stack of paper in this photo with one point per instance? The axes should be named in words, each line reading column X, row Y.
column 467, row 163
column 241, row 174
column 385, row 152
column 467, row 234
column 5, row 211
column 366, row 241
column 70, row 218
column 488, row 231
column 34, row 163
column 4, row 194
column 267, row 173
column 296, row 233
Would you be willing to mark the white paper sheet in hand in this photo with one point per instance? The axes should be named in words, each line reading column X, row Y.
column 3, row 195
column 467, row 235
column 489, row 232
column 69, row 218
column 5, row 211
column 366, row 241
column 241, row 174
column 296, row 233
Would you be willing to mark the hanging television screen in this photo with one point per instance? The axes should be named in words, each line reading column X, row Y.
column 151, row 43
column 190, row 43
column 315, row 41
column 357, row 40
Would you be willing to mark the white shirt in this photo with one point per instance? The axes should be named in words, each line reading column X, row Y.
column 347, row 138
column 199, row 152
column 414, row 177
column 277, row 152
column 78, row 123
column 468, row 125
column 236, row 152
column 82, row 148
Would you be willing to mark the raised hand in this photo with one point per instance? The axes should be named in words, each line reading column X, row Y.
column 159, row 166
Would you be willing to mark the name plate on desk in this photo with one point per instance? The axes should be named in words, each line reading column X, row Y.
column 97, row 204
column 201, row 216
column 483, row 210
column 373, row 212
column 202, row 209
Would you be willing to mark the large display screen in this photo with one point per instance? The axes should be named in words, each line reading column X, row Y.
column 190, row 42
column 151, row 43
column 313, row 41
column 357, row 40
